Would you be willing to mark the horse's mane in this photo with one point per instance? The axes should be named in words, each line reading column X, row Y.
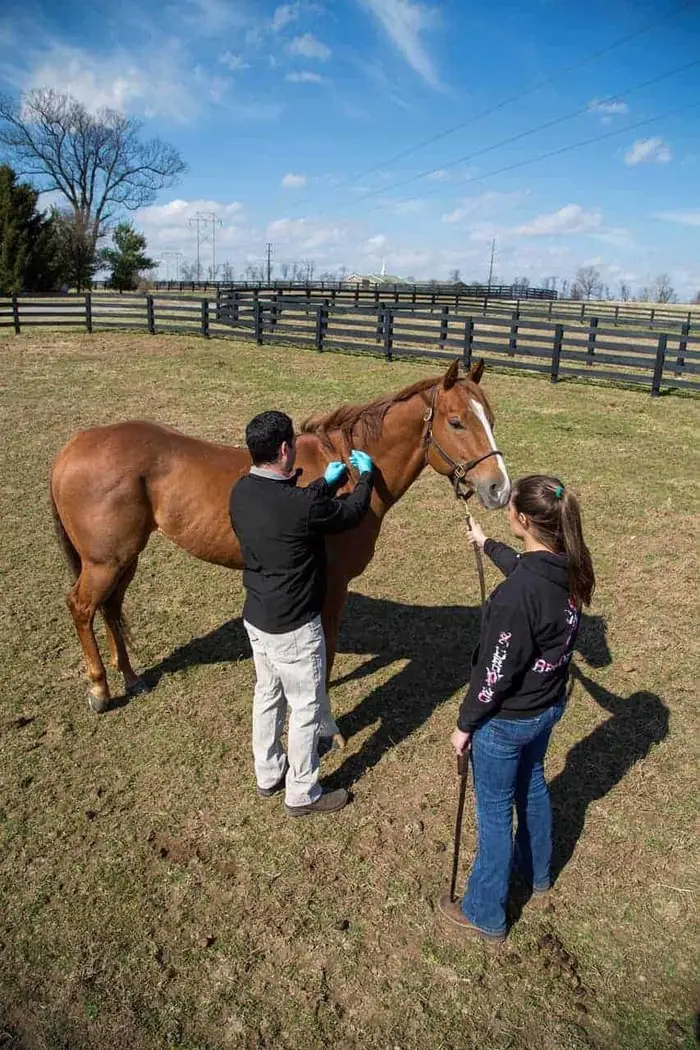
column 361, row 424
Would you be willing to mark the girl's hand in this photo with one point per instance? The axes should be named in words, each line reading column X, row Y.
column 475, row 534
column 460, row 741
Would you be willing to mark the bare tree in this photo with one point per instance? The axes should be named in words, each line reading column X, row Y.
column 605, row 292
column 188, row 270
column 662, row 290
column 576, row 291
column 455, row 276
column 284, row 271
column 625, row 292
column 588, row 280
column 227, row 272
column 565, row 288
column 696, row 298
column 97, row 162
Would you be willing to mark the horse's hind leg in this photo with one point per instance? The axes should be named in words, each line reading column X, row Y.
column 116, row 635
column 92, row 588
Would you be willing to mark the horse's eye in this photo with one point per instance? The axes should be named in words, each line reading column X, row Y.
column 456, row 423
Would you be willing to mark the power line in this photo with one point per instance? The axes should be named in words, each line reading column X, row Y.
column 511, row 98
column 203, row 221
column 559, row 151
column 525, row 134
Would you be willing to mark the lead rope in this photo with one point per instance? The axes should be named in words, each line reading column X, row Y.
column 463, row 760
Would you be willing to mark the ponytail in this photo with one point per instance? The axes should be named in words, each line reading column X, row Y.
column 555, row 517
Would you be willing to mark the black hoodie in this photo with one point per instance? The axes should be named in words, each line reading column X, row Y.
column 521, row 665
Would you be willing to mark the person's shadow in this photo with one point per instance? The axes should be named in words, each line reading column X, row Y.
column 596, row 764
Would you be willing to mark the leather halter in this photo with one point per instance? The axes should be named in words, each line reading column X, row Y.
column 458, row 476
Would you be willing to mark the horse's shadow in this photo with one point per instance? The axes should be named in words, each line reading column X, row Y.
column 431, row 646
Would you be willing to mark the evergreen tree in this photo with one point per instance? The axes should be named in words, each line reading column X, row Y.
column 126, row 259
column 29, row 257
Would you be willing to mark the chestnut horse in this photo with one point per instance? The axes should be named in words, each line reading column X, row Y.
column 112, row 486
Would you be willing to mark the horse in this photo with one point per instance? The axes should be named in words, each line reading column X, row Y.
column 112, row 486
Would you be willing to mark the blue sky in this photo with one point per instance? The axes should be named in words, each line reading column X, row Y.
column 281, row 109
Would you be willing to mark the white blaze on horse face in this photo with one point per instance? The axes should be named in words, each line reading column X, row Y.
column 480, row 414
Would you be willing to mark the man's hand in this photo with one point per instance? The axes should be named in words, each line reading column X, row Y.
column 334, row 472
column 460, row 742
column 475, row 533
column 361, row 461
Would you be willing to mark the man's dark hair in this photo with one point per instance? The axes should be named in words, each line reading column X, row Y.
column 265, row 433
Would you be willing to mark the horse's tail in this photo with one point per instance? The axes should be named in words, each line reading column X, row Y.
column 72, row 556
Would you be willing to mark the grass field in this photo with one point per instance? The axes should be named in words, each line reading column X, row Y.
column 149, row 899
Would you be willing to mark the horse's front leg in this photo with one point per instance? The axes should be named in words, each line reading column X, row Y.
column 332, row 611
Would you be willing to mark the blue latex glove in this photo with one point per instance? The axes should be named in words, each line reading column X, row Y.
column 334, row 472
column 361, row 461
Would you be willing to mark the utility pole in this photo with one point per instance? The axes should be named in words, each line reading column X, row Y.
column 206, row 223
column 268, row 252
column 493, row 252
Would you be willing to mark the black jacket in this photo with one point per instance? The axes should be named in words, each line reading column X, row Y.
column 521, row 664
column 282, row 530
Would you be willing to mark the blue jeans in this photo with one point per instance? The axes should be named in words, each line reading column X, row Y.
column 508, row 765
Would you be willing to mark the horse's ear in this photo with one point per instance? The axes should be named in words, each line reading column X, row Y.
column 451, row 375
column 476, row 371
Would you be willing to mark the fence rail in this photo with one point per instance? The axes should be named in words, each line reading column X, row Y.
column 538, row 302
column 596, row 349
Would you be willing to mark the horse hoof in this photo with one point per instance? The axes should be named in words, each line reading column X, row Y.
column 98, row 704
column 339, row 741
column 137, row 687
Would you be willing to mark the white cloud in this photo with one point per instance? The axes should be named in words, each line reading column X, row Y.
column 404, row 21
column 178, row 211
column 610, row 107
column 211, row 17
column 572, row 218
column 304, row 77
column 155, row 85
column 375, row 244
column 293, row 182
column 483, row 203
column 309, row 46
column 284, row 15
column 685, row 218
column 652, row 151
column 307, row 235
column 439, row 175
column 233, row 62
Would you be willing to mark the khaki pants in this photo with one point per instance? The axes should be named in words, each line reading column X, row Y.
column 290, row 670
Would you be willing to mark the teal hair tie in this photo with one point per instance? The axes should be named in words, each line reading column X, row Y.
column 559, row 491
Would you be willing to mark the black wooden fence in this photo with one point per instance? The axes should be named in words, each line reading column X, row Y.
column 595, row 349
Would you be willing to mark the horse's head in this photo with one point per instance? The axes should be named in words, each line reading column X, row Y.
column 459, row 437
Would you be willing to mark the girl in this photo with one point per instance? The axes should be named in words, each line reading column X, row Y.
column 517, row 693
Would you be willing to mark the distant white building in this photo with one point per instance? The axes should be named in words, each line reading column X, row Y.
column 373, row 280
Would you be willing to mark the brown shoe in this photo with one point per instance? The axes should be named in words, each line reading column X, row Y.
column 329, row 802
column 452, row 911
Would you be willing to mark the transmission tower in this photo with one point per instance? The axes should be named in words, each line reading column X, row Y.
column 167, row 256
column 206, row 223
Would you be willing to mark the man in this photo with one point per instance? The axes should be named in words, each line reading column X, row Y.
column 282, row 530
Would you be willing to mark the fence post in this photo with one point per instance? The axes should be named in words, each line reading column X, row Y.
column 88, row 312
column 15, row 314
column 444, row 320
column 150, row 315
column 617, row 314
column 659, row 365
column 486, row 303
column 388, row 332
column 235, row 309
column 583, row 311
column 257, row 318
column 218, row 302
column 380, row 323
column 549, row 311
column 513, row 339
column 205, row 318
column 592, row 331
column 321, row 319
column 651, row 317
column 468, row 342
column 556, row 351
column 682, row 347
